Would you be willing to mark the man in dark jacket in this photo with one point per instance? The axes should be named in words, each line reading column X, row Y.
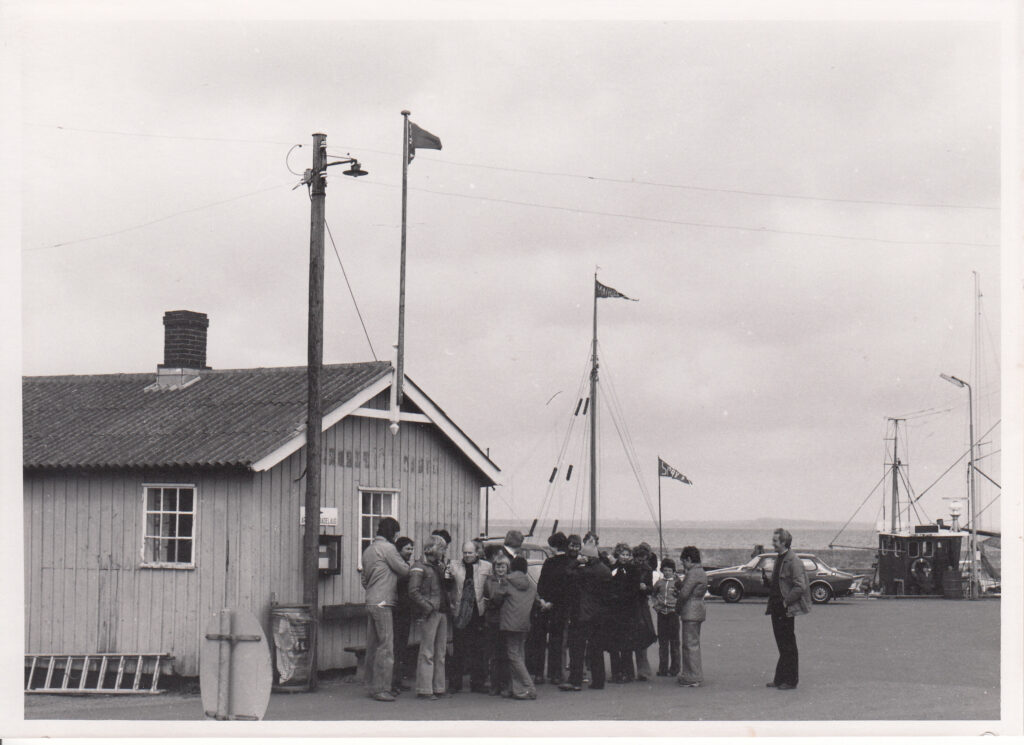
column 553, row 587
column 788, row 597
column 593, row 581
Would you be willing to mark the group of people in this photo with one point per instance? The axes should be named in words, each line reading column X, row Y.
column 509, row 634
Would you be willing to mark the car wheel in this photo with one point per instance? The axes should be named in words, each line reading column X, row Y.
column 821, row 593
column 731, row 592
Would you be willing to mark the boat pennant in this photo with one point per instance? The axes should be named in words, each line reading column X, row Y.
column 664, row 469
column 601, row 290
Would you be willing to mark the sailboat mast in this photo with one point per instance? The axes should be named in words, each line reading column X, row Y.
column 593, row 420
column 895, row 474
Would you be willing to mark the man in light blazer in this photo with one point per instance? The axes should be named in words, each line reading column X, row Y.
column 469, row 637
column 788, row 596
column 691, row 614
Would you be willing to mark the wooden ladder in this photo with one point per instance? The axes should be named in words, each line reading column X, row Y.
column 108, row 672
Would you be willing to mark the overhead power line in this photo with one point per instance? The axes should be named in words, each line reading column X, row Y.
column 159, row 219
column 560, row 174
column 694, row 224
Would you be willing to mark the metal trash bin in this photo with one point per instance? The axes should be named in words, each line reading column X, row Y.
column 294, row 638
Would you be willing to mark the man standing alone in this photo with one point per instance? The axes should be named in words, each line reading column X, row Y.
column 788, row 597
column 382, row 566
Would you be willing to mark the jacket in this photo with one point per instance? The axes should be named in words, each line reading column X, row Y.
column 666, row 594
column 594, row 582
column 428, row 591
column 481, row 571
column 553, row 585
column 796, row 592
column 691, row 595
column 382, row 566
column 515, row 595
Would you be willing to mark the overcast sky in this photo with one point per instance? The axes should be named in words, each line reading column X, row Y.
column 797, row 205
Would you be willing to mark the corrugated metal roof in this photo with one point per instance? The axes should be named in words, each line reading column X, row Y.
column 226, row 418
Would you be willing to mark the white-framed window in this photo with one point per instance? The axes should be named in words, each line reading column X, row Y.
column 168, row 526
column 374, row 504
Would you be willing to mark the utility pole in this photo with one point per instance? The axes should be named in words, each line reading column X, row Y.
column 314, row 417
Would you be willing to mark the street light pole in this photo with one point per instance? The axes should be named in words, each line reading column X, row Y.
column 975, row 584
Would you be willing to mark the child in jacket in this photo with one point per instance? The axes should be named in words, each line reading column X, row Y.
column 666, row 596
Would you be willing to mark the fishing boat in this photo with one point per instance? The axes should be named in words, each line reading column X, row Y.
column 918, row 558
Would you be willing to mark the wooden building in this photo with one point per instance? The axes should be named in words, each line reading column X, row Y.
column 152, row 501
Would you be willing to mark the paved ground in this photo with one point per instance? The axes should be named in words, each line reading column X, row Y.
column 863, row 660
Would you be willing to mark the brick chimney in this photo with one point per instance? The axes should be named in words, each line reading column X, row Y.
column 184, row 350
column 185, row 339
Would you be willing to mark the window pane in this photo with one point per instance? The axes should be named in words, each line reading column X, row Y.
column 170, row 500
column 367, row 502
column 367, row 532
column 185, row 500
column 167, row 526
column 386, row 503
column 185, row 551
column 152, row 499
column 376, row 502
column 185, row 526
column 374, row 522
column 810, row 566
column 153, row 524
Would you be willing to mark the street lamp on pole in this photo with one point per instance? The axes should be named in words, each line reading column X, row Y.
column 970, row 481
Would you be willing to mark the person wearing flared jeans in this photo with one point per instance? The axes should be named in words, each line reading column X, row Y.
column 379, row 648
column 691, row 671
column 430, row 673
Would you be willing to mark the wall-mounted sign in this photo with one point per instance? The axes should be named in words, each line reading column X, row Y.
column 328, row 516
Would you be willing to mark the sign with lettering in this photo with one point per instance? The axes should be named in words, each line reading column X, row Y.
column 328, row 516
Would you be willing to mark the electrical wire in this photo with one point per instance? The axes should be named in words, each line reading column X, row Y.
column 350, row 292
column 691, row 187
column 63, row 244
column 638, row 182
column 693, row 224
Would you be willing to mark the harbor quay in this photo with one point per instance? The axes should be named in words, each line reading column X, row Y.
column 879, row 662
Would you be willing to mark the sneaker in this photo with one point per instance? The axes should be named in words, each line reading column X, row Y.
column 427, row 696
column 383, row 696
column 686, row 684
column 785, row 687
column 569, row 687
column 531, row 696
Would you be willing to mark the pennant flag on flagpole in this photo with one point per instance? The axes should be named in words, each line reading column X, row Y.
column 421, row 138
column 601, row 290
column 664, row 469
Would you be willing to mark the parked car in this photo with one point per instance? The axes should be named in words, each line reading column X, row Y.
column 734, row 583
column 534, row 552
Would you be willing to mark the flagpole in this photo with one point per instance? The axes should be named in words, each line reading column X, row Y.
column 400, row 363
column 661, row 540
column 593, row 421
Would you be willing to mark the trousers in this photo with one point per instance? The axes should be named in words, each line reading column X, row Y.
column 787, row 669
column 692, row 671
column 668, row 643
column 430, row 661
column 380, row 653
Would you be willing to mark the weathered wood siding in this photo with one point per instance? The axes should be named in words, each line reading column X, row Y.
column 437, row 488
column 85, row 590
